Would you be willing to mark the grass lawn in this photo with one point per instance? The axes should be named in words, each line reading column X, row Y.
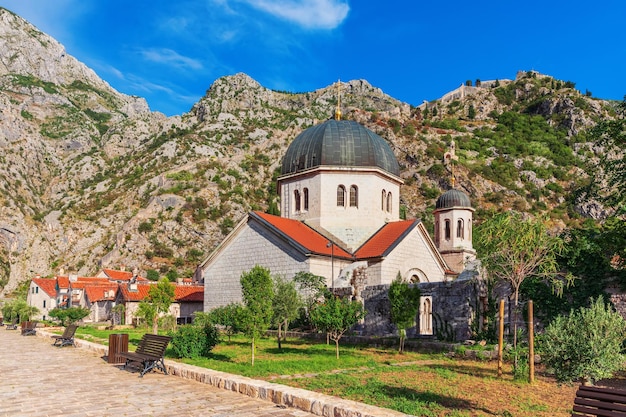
column 413, row 383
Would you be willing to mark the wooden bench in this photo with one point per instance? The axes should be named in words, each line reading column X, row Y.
column 67, row 338
column 149, row 353
column 599, row 401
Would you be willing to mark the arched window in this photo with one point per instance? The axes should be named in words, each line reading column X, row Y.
column 383, row 200
column 296, row 196
column 460, row 232
column 389, row 200
column 306, row 199
column 354, row 196
column 341, row 196
column 447, row 229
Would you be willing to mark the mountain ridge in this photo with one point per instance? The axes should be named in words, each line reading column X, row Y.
column 92, row 178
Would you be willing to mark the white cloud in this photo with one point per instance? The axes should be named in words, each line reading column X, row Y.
column 170, row 57
column 312, row 14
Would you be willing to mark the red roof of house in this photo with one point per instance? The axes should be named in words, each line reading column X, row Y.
column 189, row 293
column 118, row 275
column 81, row 282
column 182, row 293
column 140, row 294
column 101, row 292
column 381, row 243
column 48, row 285
column 303, row 235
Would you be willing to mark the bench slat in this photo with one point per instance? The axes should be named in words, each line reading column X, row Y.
column 599, row 402
column 149, row 353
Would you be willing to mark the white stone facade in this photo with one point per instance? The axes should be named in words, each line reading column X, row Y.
column 371, row 198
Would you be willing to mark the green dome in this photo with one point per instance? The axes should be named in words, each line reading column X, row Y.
column 343, row 143
column 453, row 198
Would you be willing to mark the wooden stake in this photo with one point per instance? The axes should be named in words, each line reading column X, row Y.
column 500, row 337
column 531, row 344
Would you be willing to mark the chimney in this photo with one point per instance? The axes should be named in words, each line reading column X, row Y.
column 61, row 272
column 123, row 268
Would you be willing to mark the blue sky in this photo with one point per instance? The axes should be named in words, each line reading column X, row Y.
column 170, row 52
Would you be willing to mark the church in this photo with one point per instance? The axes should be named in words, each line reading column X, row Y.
column 339, row 194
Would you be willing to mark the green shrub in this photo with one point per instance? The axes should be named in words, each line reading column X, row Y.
column 192, row 341
column 586, row 345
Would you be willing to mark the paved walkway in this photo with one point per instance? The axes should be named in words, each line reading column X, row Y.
column 37, row 379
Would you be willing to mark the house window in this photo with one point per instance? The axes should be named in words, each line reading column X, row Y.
column 44, row 303
column 354, row 196
column 383, row 200
column 447, row 229
column 341, row 196
column 459, row 229
column 389, row 202
column 306, row 199
column 296, row 195
column 36, row 290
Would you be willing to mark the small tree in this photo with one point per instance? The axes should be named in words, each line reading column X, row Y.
column 405, row 303
column 285, row 304
column 311, row 288
column 228, row 316
column 18, row 309
column 586, row 345
column 512, row 248
column 159, row 299
column 257, row 294
column 335, row 316
column 69, row 315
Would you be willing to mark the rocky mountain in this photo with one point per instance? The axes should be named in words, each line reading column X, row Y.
column 91, row 177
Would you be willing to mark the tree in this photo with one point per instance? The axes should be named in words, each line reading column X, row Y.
column 159, row 299
column 405, row 303
column 18, row 309
column 586, row 345
column 228, row 316
column 335, row 316
column 69, row 315
column 512, row 248
column 285, row 304
column 152, row 275
column 257, row 294
column 311, row 288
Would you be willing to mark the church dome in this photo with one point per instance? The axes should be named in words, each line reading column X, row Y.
column 453, row 198
column 343, row 143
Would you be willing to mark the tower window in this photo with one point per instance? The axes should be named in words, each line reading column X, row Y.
column 305, row 193
column 296, row 195
column 341, row 196
column 354, row 196
column 383, row 200
column 459, row 229
column 389, row 200
column 447, row 229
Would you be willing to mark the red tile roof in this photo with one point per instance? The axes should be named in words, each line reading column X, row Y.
column 383, row 241
column 190, row 293
column 118, row 275
column 48, row 285
column 101, row 292
column 182, row 293
column 140, row 294
column 303, row 235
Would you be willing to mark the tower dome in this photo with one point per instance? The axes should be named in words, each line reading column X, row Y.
column 343, row 143
column 453, row 198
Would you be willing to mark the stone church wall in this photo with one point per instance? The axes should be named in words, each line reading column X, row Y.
column 453, row 310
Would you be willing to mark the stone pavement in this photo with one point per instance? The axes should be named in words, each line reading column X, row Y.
column 38, row 379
